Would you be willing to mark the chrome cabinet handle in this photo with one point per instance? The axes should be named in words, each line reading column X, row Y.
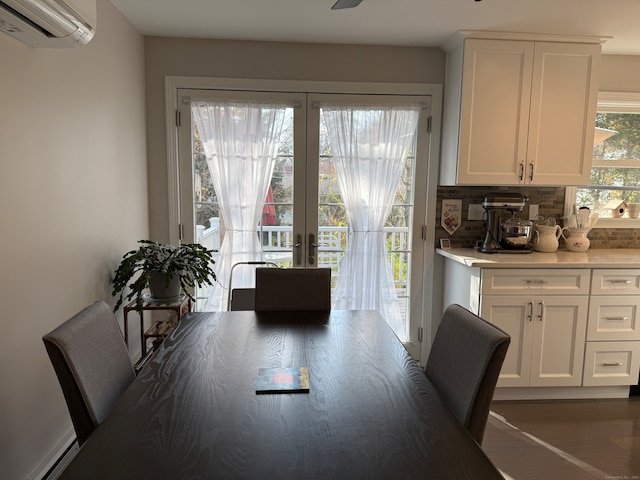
column 619, row 282
column 612, row 364
column 616, row 319
column 521, row 174
column 530, row 311
column 531, row 171
column 541, row 310
column 536, row 282
column 298, row 247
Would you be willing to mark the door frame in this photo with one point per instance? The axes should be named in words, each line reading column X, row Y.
column 432, row 297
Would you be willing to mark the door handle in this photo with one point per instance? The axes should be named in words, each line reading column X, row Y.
column 312, row 249
column 298, row 247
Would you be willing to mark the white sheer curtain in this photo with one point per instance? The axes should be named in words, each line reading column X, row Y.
column 369, row 146
column 240, row 141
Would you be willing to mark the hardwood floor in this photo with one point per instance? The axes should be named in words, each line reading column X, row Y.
column 581, row 439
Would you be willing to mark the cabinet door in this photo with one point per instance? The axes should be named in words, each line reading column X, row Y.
column 513, row 315
column 563, row 108
column 559, row 332
column 494, row 115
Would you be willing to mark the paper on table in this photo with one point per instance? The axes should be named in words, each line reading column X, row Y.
column 283, row 380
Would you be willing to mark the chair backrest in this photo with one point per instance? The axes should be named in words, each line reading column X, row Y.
column 464, row 364
column 92, row 364
column 242, row 299
column 293, row 289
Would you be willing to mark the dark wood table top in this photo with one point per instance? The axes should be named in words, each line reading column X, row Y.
column 193, row 412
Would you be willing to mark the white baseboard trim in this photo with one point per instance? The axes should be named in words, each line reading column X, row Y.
column 55, row 454
column 560, row 393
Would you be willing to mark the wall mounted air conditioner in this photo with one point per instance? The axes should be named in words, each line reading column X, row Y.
column 49, row 23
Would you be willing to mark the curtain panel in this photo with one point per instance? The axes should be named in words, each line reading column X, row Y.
column 369, row 146
column 240, row 141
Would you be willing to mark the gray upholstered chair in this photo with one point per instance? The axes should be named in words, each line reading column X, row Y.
column 93, row 367
column 464, row 364
column 293, row 289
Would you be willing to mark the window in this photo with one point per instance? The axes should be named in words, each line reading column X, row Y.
column 615, row 172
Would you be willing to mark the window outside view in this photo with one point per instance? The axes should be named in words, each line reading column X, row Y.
column 615, row 172
column 275, row 229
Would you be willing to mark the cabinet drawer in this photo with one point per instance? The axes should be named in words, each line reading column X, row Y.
column 615, row 282
column 613, row 318
column 611, row 363
column 535, row 281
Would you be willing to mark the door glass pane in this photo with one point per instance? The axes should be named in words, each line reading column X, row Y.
column 276, row 225
column 333, row 224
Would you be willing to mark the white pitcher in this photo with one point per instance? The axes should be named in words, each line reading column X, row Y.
column 577, row 240
column 547, row 238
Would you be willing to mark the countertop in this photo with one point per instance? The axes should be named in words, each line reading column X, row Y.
column 592, row 258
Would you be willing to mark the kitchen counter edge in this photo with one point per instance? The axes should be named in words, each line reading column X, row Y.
column 592, row 258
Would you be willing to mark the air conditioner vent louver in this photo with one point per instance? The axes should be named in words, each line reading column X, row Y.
column 48, row 23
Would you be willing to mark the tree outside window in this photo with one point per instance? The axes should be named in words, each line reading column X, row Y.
column 615, row 172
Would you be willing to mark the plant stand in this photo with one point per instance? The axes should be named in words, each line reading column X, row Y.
column 159, row 328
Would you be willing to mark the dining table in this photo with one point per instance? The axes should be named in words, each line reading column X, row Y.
column 194, row 410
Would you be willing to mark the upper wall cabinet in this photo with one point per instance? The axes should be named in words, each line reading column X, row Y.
column 519, row 111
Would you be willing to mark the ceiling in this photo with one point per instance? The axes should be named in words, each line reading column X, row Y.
column 415, row 23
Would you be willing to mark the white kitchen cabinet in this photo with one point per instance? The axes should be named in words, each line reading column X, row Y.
column 547, row 338
column 543, row 310
column 577, row 349
column 612, row 354
column 519, row 111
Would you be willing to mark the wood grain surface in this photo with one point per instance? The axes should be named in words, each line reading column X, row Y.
column 193, row 412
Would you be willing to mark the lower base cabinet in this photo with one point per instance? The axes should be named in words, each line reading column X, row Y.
column 612, row 354
column 575, row 333
column 547, row 338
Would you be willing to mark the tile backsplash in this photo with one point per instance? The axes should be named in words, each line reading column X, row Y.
column 551, row 204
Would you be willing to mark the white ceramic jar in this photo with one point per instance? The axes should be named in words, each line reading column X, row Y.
column 547, row 238
column 576, row 239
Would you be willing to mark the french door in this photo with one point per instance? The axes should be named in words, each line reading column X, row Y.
column 304, row 221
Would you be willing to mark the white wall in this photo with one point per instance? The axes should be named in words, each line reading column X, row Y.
column 73, row 199
column 620, row 73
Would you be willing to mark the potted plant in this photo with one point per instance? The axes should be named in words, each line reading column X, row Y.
column 164, row 270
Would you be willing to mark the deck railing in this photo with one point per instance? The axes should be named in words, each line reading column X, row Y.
column 277, row 243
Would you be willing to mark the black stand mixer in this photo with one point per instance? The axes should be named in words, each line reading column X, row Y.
column 514, row 235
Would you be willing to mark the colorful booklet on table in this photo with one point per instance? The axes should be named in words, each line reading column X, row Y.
column 283, row 380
